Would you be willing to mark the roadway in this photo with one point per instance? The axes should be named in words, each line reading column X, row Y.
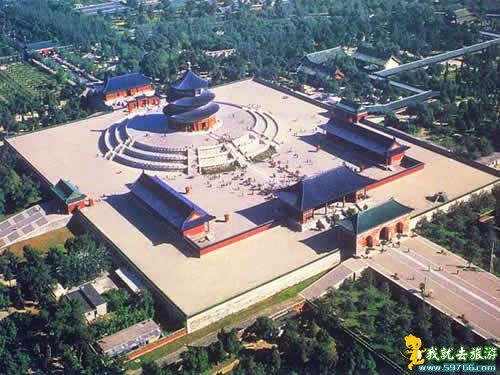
column 454, row 288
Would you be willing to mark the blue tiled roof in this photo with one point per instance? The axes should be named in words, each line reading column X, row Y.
column 189, row 81
column 126, row 81
column 196, row 114
column 189, row 102
column 365, row 220
column 169, row 203
column 35, row 46
column 327, row 187
column 365, row 138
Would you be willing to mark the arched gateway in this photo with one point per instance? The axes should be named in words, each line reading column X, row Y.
column 368, row 228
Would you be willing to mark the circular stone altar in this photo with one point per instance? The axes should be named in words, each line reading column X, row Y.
column 145, row 140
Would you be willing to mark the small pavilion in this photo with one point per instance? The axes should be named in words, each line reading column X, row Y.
column 68, row 196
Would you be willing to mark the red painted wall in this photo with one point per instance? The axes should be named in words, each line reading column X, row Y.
column 130, row 92
column 235, row 239
column 201, row 125
column 392, row 227
column 194, row 231
column 157, row 344
column 396, row 159
column 73, row 206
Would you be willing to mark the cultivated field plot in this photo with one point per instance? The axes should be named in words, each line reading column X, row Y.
column 25, row 79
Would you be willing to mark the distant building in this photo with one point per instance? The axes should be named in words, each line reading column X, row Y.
column 462, row 16
column 92, row 302
column 69, row 197
column 317, row 192
column 130, row 84
column 375, row 59
column 316, row 63
column 349, row 111
column 130, row 338
column 221, row 52
column 45, row 47
column 380, row 223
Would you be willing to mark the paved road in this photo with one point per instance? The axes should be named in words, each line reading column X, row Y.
column 473, row 294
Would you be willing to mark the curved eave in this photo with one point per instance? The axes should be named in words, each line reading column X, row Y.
column 190, row 81
column 196, row 114
column 189, row 103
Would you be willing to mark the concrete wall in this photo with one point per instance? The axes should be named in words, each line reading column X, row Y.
column 260, row 293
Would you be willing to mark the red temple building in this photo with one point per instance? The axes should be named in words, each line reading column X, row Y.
column 45, row 47
column 368, row 228
column 142, row 101
column 349, row 111
column 182, row 215
column 126, row 85
column 69, row 197
column 191, row 107
column 382, row 149
column 317, row 192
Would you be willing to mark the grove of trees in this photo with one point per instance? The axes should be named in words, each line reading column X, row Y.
column 17, row 190
column 461, row 232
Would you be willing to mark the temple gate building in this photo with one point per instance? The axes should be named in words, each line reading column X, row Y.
column 69, row 197
column 317, row 192
column 383, row 149
column 349, row 111
column 368, row 228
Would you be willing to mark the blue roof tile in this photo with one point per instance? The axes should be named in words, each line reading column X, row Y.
column 365, row 138
column 174, row 207
column 189, row 81
column 327, row 187
column 126, row 81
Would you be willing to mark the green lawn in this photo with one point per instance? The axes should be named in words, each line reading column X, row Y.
column 43, row 242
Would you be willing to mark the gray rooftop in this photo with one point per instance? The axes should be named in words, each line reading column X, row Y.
column 129, row 338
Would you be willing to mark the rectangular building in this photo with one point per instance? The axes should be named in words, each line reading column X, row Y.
column 130, row 338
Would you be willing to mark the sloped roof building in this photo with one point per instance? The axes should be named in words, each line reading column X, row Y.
column 315, row 192
column 183, row 215
column 130, row 84
column 371, row 227
column 191, row 106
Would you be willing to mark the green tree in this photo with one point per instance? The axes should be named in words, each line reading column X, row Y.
column 264, row 328
column 35, row 277
column 230, row 341
column 195, row 359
